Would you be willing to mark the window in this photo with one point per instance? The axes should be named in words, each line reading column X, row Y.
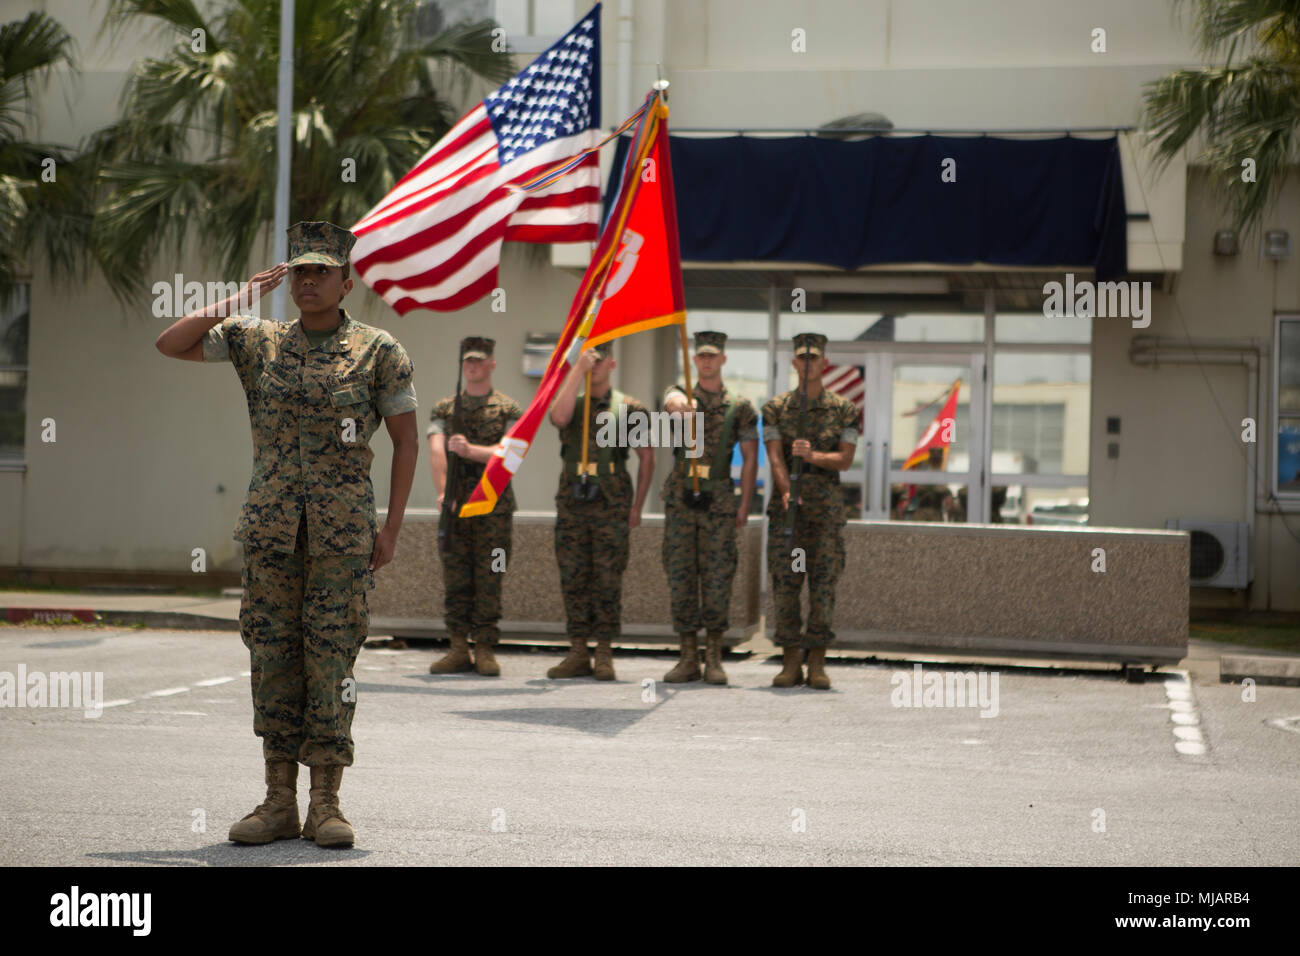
column 883, row 326
column 13, row 374
column 1040, row 430
column 1033, row 327
column 1036, row 438
column 1041, row 412
column 434, row 16
column 533, row 25
column 1286, row 478
column 1035, row 432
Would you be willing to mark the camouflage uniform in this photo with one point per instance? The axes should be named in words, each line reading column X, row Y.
column 591, row 537
column 699, row 547
column 472, row 589
column 831, row 419
column 309, row 523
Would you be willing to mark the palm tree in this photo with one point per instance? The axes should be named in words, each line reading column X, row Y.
column 195, row 149
column 1246, row 108
column 39, row 201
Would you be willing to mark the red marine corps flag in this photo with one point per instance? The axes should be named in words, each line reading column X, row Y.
column 634, row 283
column 939, row 434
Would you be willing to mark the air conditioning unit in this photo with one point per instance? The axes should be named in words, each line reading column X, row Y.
column 1220, row 552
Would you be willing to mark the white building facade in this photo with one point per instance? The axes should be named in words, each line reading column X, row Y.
column 1059, row 419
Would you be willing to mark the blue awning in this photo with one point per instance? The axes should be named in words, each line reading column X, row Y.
column 1031, row 203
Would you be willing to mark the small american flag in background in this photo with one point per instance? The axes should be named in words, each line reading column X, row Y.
column 847, row 380
column 434, row 242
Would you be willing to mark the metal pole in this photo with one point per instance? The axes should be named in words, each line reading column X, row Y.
column 284, row 108
column 690, row 419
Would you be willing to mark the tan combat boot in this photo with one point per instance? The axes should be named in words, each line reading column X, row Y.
column 713, row 672
column 577, row 664
column 485, row 661
column 325, row 821
column 277, row 817
column 604, row 660
column 791, row 668
column 688, row 668
column 456, row 660
column 817, row 678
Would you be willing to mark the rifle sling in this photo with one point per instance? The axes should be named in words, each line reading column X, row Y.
column 608, row 464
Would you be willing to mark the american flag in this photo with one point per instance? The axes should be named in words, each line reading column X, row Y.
column 434, row 242
column 848, row 381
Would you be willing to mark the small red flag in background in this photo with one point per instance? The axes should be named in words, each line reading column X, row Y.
column 934, row 435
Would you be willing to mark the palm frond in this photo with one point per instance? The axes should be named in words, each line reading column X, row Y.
column 194, row 150
column 179, row 17
column 32, row 46
column 147, row 204
column 1245, row 108
column 29, row 49
column 469, row 46
column 13, row 218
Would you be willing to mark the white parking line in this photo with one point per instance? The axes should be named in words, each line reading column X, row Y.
column 1285, row 723
column 172, row 691
column 1188, row 738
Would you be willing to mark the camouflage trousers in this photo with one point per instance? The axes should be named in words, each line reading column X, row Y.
column 591, row 548
column 699, row 555
column 472, row 589
column 823, row 558
column 303, row 619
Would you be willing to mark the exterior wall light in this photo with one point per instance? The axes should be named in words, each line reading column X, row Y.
column 1225, row 243
column 1277, row 244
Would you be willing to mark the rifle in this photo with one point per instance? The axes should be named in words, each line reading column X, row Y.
column 450, row 506
column 694, row 498
column 796, row 467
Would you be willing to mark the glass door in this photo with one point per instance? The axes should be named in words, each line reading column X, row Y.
column 921, row 452
column 926, row 437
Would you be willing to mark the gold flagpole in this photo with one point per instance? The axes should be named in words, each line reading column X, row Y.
column 586, row 424
column 690, row 420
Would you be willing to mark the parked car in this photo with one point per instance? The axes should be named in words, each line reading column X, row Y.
column 1058, row 513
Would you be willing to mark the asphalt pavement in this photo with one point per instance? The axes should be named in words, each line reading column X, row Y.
column 1075, row 767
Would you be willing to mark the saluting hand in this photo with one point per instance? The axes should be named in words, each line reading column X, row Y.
column 264, row 282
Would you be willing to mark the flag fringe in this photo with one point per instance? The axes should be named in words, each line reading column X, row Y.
column 555, row 172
